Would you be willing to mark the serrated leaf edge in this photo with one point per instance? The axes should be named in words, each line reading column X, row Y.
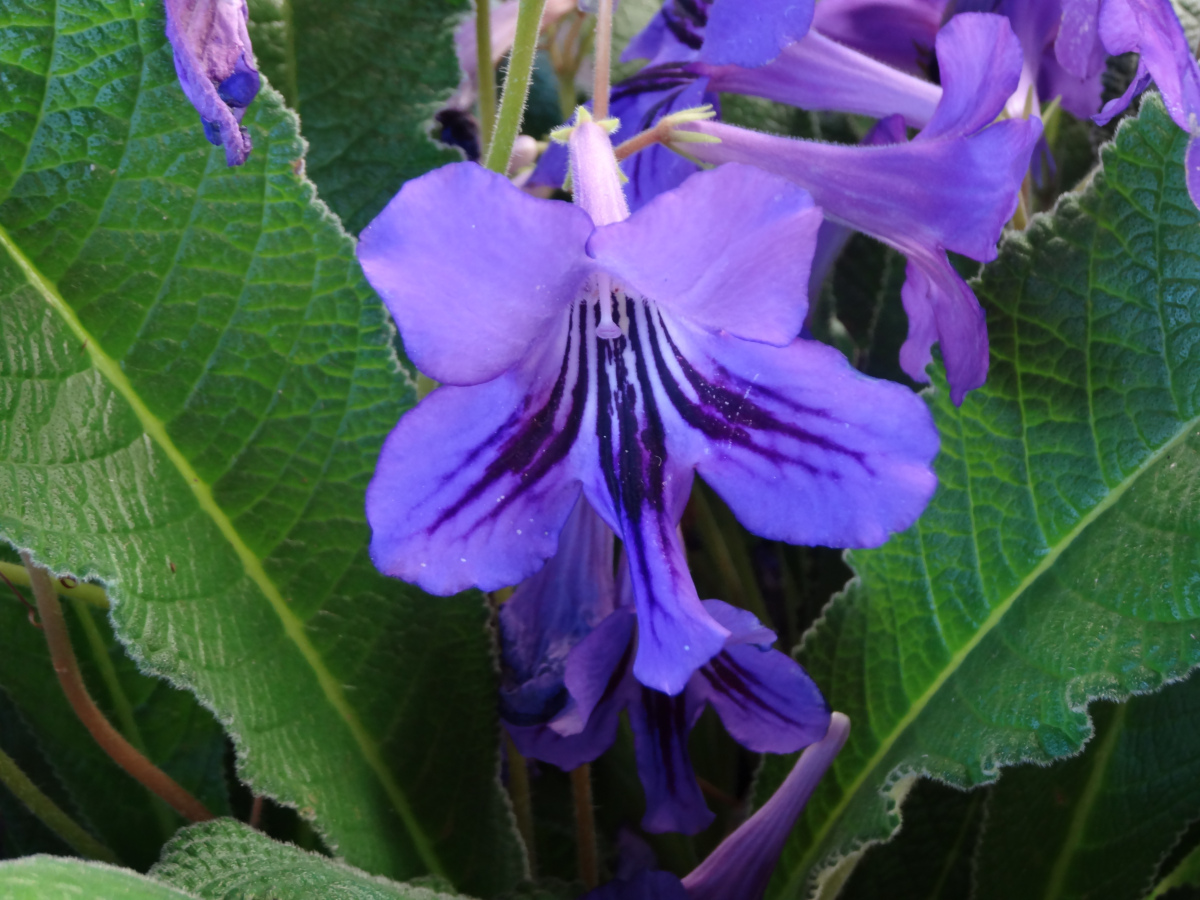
column 801, row 872
column 292, row 625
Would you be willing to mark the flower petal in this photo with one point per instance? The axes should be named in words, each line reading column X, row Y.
column 751, row 33
column 819, row 73
column 979, row 61
column 741, row 866
column 899, row 33
column 661, row 725
column 473, row 270
column 766, row 701
column 801, row 446
column 1152, row 28
column 474, row 484
column 942, row 307
column 598, row 663
column 1078, row 46
column 550, row 613
column 729, row 250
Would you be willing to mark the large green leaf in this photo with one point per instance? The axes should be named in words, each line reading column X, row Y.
column 225, row 860
column 1057, row 561
column 167, row 724
column 930, row 859
column 1100, row 824
column 194, row 384
column 366, row 77
column 53, row 878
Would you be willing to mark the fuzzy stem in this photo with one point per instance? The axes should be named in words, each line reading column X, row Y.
column 485, row 73
column 603, row 56
column 66, row 667
column 522, row 800
column 49, row 813
column 516, row 85
column 120, row 702
column 585, row 825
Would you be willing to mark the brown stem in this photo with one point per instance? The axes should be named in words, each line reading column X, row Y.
column 256, row 811
column 585, row 825
column 647, row 138
column 66, row 667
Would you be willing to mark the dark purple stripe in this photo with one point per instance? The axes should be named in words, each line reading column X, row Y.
column 537, row 447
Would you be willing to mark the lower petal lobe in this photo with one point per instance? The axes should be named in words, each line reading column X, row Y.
column 801, row 446
column 474, row 485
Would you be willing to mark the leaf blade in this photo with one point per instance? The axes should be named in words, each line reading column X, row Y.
column 1057, row 477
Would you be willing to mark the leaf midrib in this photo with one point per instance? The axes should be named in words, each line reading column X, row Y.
column 253, row 566
column 799, row 872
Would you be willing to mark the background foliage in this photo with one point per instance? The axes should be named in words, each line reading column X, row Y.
column 195, row 381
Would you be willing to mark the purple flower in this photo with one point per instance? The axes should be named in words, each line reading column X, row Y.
column 745, row 33
column 216, row 68
column 789, row 63
column 741, row 865
column 583, row 350
column 766, row 701
column 1152, row 29
column 952, row 188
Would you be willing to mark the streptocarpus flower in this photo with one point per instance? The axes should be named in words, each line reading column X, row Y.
column 581, row 348
column 741, row 865
column 216, row 68
column 766, row 701
column 951, row 188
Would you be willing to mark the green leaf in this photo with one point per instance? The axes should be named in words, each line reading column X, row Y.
column 366, row 77
column 168, row 725
column 226, row 860
column 1098, row 825
column 54, row 878
column 1056, row 562
column 1184, row 876
column 195, row 382
column 930, row 859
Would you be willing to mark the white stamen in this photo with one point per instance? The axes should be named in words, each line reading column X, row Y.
column 607, row 329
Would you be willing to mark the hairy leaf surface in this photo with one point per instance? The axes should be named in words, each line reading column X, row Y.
column 194, row 384
column 55, row 878
column 1098, row 825
column 226, row 859
column 366, row 77
column 1057, row 561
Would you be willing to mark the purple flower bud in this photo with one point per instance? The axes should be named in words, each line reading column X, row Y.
column 216, row 68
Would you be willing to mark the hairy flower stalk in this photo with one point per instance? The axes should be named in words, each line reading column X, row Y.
column 506, row 300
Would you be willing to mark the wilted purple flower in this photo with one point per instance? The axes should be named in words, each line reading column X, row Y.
column 581, row 349
column 766, row 701
column 741, row 866
column 216, row 68
column 952, row 188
